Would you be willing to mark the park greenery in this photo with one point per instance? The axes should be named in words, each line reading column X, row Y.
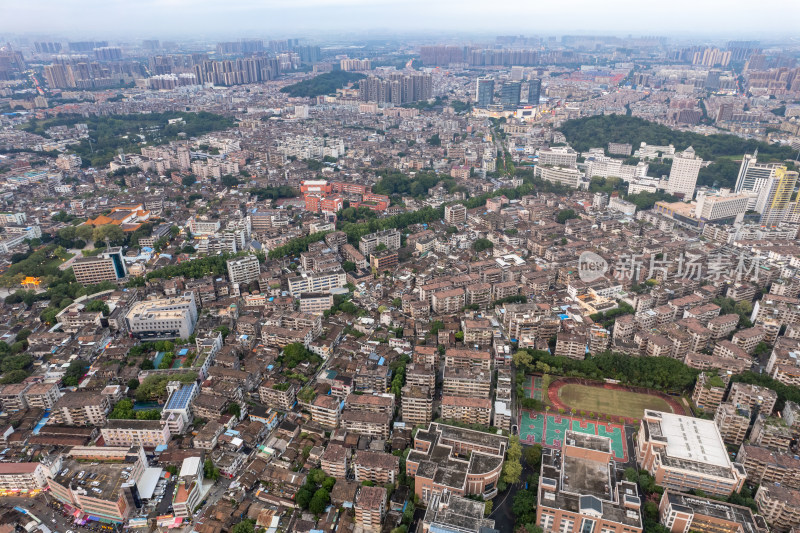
column 356, row 230
column 599, row 130
column 394, row 182
column 607, row 318
column 295, row 354
column 130, row 132
column 323, row 84
column 273, row 193
column 314, row 495
column 197, row 268
column 661, row 373
column 482, row 244
column 296, row 246
column 566, row 214
column 75, row 372
column 154, row 386
column 512, row 467
column 124, row 410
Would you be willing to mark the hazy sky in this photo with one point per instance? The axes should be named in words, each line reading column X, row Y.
column 186, row 18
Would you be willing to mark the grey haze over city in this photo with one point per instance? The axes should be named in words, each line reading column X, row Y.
column 197, row 18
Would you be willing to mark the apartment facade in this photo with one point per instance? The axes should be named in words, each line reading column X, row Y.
column 107, row 266
column 146, row 433
column 681, row 513
column 243, row 269
column 378, row 467
column 779, row 505
column 370, row 508
column 42, row 395
column 16, row 477
column 81, row 409
column 467, row 410
column 417, row 404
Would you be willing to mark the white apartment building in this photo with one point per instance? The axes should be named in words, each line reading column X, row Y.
column 389, row 238
column 455, row 214
column 167, row 318
column 203, row 227
column 618, row 204
column 683, row 175
column 719, row 206
column 317, row 282
column 243, row 269
column 570, row 177
column 560, row 156
column 22, row 476
column 146, row 433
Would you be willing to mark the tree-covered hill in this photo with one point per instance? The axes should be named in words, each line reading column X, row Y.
column 598, row 131
column 323, row 84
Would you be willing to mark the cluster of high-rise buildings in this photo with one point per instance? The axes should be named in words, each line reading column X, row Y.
column 237, row 71
column 83, row 74
column 396, row 88
column 442, row 55
column 510, row 93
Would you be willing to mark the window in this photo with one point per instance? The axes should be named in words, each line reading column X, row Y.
column 587, row 526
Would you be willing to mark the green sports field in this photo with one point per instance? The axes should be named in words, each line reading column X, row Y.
column 610, row 401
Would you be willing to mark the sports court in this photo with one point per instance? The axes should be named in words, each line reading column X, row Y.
column 534, row 387
column 548, row 430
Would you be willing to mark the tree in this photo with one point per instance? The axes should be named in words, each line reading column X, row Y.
column 210, row 471
column 14, row 376
column 303, row 497
column 348, row 266
column 97, row 306
column 109, row 234
column 524, row 506
column 488, row 506
column 245, row 526
column 434, row 140
column 319, row 502
column 482, row 244
column 230, row 181
column 75, row 372
column 84, row 233
column 512, row 470
column 133, row 383
column 188, row 180
column 225, row 330
column 235, row 409
column 533, row 456
column 564, row 215
column 522, row 360
column 296, row 353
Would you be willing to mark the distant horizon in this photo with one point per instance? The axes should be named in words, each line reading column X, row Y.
column 773, row 20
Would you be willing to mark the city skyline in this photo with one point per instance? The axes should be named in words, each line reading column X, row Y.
column 181, row 18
